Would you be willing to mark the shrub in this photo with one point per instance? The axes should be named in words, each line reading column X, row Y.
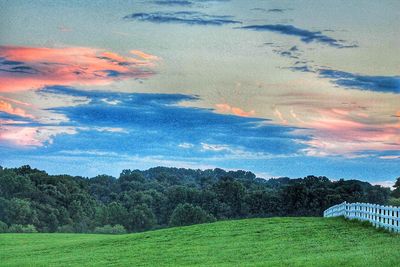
column 3, row 227
column 66, row 229
column 187, row 214
column 394, row 201
column 19, row 228
column 108, row 229
column 140, row 218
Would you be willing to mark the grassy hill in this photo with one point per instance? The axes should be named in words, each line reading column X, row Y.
column 250, row 242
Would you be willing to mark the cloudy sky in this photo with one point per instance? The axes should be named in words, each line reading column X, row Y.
column 280, row 88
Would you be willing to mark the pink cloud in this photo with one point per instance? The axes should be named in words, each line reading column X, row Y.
column 339, row 133
column 10, row 109
column 37, row 67
column 32, row 136
column 13, row 122
column 226, row 108
column 15, row 101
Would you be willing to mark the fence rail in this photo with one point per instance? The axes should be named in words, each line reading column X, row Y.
column 387, row 217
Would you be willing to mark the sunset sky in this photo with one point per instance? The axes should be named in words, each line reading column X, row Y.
column 280, row 88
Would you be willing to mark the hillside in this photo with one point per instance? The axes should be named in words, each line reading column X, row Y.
column 255, row 242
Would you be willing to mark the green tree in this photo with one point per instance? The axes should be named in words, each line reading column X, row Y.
column 140, row 218
column 187, row 214
column 263, row 203
column 231, row 193
column 13, row 185
column 21, row 212
column 117, row 214
column 396, row 191
column 3, row 227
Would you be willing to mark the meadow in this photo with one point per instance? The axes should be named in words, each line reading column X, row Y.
column 295, row 241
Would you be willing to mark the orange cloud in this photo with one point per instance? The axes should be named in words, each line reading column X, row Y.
column 143, row 55
column 226, row 108
column 24, row 68
column 8, row 108
column 398, row 116
column 278, row 114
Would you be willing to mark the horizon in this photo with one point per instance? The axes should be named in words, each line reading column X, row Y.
column 117, row 173
column 278, row 88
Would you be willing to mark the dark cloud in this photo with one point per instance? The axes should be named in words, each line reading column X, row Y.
column 173, row 3
column 292, row 52
column 272, row 10
column 210, row 1
column 183, row 17
column 185, row 3
column 306, row 36
column 16, row 67
column 259, row 9
column 386, row 84
column 4, row 61
column 302, row 68
column 278, row 10
column 13, row 119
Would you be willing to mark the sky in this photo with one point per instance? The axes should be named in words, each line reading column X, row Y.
column 279, row 88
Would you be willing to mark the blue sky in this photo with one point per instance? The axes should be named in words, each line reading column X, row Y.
column 280, row 88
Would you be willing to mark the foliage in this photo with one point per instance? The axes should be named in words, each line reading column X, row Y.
column 19, row 228
column 66, row 229
column 158, row 197
column 396, row 191
column 3, row 227
column 109, row 229
column 140, row 218
column 394, row 202
column 187, row 214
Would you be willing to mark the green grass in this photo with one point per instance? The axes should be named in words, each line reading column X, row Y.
column 250, row 242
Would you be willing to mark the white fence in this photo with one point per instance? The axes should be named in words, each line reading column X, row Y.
column 387, row 217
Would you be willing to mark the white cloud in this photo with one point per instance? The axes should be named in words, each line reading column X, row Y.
column 110, row 102
column 186, row 145
column 214, row 147
column 384, row 183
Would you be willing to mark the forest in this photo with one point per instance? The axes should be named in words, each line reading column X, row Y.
column 33, row 201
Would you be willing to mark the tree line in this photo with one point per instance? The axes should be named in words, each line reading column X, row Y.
column 32, row 200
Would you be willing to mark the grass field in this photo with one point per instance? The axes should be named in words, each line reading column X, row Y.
column 250, row 242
